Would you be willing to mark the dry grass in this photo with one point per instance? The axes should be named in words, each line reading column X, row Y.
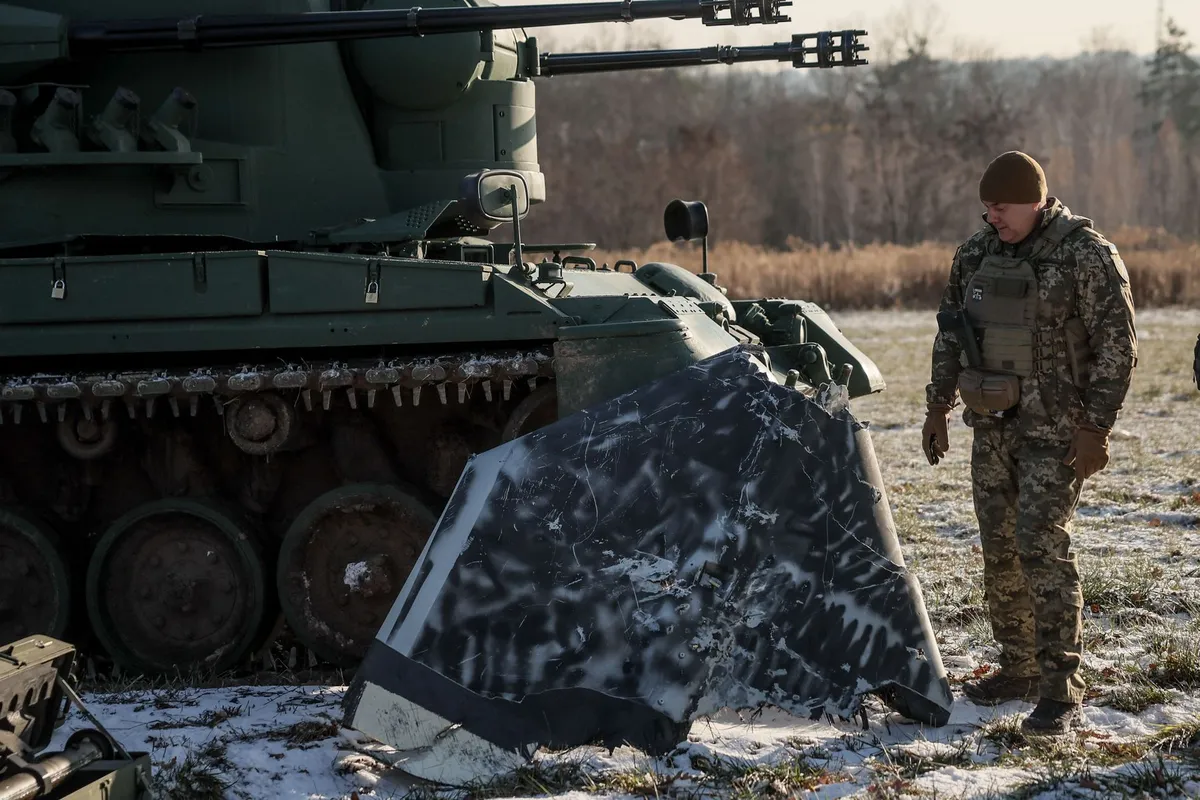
column 202, row 775
column 1163, row 270
column 706, row 778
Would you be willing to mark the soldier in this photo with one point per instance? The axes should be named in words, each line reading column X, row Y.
column 1036, row 335
column 1196, row 363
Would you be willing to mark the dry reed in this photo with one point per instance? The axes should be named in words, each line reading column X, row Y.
column 1164, row 270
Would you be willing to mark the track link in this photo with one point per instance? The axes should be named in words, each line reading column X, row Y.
column 51, row 396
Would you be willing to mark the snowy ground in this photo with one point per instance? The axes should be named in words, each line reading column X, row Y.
column 1136, row 533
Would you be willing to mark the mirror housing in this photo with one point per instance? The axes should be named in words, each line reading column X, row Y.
column 488, row 198
column 685, row 220
column 486, row 195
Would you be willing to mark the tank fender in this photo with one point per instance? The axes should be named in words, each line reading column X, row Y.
column 672, row 278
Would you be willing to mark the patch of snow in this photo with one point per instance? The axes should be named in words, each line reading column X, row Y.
column 356, row 573
column 972, row 783
column 273, row 741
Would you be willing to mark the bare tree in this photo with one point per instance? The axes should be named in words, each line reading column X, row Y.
column 885, row 153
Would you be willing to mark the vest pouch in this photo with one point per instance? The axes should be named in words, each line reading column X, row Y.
column 987, row 392
column 1002, row 291
column 1008, row 349
column 1079, row 352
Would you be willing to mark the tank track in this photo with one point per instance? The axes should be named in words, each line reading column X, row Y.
column 366, row 378
column 372, row 398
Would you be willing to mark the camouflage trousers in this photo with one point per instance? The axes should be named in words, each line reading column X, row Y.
column 1025, row 498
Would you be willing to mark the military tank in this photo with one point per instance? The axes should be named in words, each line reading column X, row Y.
column 255, row 318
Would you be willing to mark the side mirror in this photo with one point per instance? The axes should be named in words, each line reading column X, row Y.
column 492, row 196
column 685, row 220
column 488, row 194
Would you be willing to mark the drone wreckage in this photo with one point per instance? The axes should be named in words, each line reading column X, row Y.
column 682, row 516
column 714, row 539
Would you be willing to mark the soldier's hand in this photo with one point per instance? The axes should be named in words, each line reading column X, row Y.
column 935, row 435
column 1088, row 451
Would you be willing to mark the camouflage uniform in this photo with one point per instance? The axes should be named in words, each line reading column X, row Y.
column 1024, row 495
column 1196, row 363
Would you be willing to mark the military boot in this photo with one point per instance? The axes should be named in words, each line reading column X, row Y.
column 1000, row 687
column 1051, row 718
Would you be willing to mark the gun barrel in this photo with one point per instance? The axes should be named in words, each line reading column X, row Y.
column 249, row 30
column 43, row 775
column 822, row 50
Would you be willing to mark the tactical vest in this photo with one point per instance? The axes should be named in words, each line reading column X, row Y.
column 1001, row 305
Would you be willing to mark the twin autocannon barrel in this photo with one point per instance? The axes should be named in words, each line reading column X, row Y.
column 820, row 50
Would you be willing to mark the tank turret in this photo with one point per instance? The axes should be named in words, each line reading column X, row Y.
column 280, row 124
column 252, row 324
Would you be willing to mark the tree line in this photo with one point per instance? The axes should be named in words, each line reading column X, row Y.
column 886, row 153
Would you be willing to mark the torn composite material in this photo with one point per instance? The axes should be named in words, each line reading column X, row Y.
column 712, row 539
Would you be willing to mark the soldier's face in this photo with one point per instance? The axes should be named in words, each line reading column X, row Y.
column 1012, row 221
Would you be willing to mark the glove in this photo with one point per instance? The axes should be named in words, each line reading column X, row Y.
column 1088, row 451
column 935, row 435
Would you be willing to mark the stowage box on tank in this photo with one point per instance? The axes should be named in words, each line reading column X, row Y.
column 252, row 324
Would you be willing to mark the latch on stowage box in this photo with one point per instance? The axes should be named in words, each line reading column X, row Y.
column 199, row 271
column 58, row 281
column 372, row 293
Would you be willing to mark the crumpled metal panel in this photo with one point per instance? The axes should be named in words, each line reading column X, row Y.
column 712, row 539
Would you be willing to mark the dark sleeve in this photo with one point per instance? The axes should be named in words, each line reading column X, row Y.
column 943, row 378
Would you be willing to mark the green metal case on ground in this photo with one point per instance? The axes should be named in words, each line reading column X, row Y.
column 34, row 697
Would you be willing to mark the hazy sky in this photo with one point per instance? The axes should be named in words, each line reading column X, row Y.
column 1007, row 28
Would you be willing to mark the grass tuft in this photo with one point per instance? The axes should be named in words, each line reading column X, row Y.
column 1004, row 732
column 1137, row 697
column 907, row 762
column 197, row 777
column 207, row 719
column 1176, row 659
column 785, row 779
column 1113, row 584
column 1178, row 736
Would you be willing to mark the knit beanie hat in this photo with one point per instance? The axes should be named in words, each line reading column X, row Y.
column 1013, row 177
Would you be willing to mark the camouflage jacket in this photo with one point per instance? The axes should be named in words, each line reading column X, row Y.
column 1083, row 277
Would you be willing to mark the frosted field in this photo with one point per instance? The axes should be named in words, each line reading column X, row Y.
column 1136, row 535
